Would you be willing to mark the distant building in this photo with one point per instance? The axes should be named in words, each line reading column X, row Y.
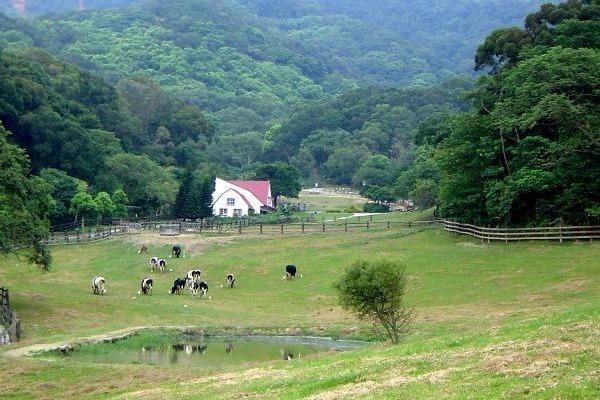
column 241, row 198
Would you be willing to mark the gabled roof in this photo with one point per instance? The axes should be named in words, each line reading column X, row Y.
column 260, row 189
column 241, row 195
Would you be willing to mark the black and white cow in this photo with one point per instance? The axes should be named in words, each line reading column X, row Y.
column 178, row 286
column 201, row 287
column 230, row 280
column 192, row 277
column 98, row 285
column 146, row 286
column 153, row 263
column 176, row 251
column 162, row 265
column 290, row 272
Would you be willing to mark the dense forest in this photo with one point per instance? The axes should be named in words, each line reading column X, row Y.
column 247, row 63
column 137, row 105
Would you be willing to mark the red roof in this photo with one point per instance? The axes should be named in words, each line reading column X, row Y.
column 258, row 188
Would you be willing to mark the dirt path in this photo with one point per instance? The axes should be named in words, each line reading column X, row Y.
column 68, row 345
column 193, row 244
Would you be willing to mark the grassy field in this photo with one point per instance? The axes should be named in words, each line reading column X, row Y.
column 493, row 321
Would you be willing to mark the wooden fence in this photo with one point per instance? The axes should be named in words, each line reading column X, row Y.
column 9, row 318
column 283, row 228
column 559, row 233
column 89, row 235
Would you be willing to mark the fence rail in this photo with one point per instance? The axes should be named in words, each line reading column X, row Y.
column 9, row 318
column 559, row 233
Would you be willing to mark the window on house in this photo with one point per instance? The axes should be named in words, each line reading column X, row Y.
column 230, row 201
column 223, row 212
column 237, row 212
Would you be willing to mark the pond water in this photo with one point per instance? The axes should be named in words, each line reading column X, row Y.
column 212, row 352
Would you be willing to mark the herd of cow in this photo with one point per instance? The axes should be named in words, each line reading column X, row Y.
column 190, row 280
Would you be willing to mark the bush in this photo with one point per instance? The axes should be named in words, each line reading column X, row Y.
column 376, row 208
column 375, row 291
column 353, row 209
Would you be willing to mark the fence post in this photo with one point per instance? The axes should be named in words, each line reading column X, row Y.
column 506, row 235
column 282, row 228
column 240, row 229
column 560, row 230
column 388, row 224
column 323, row 226
column 303, row 227
column 345, row 226
column 261, row 229
column 371, row 217
column 367, row 225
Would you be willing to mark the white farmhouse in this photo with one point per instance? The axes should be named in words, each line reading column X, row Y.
column 241, row 198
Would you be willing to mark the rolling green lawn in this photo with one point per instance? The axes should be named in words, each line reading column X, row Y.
column 493, row 321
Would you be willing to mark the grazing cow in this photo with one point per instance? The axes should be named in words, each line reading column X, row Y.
column 143, row 249
column 290, row 272
column 146, row 286
column 178, row 286
column 192, row 276
column 162, row 265
column 153, row 263
column 98, row 285
column 230, row 280
column 176, row 251
column 199, row 286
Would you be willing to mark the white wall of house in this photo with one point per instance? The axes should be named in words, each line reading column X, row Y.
column 225, row 190
column 231, row 204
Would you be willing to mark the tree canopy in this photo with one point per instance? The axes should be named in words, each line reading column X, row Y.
column 25, row 204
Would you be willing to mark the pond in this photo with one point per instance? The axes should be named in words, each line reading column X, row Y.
column 210, row 352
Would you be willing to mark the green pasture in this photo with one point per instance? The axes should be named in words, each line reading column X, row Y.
column 493, row 321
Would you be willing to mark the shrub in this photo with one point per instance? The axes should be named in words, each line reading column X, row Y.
column 353, row 209
column 375, row 291
column 375, row 208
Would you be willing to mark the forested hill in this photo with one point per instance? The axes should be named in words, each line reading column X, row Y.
column 247, row 62
column 39, row 7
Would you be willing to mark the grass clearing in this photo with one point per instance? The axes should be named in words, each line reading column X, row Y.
column 493, row 321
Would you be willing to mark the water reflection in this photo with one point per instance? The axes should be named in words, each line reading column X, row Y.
column 207, row 352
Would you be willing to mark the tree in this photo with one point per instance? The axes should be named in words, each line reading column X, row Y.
column 285, row 179
column 377, row 170
column 147, row 184
column 199, row 198
column 344, row 162
column 63, row 188
column 120, row 200
column 83, row 204
column 106, row 207
column 374, row 291
column 425, row 193
column 25, row 204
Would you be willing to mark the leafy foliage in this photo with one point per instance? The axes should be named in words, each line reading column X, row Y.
column 530, row 152
column 375, row 292
column 285, row 179
column 25, row 204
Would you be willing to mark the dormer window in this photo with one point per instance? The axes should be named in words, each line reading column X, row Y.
column 230, row 201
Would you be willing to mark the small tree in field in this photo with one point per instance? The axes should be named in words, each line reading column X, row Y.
column 375, row 291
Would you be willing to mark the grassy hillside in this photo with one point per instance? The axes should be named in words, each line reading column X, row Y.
column 493, row 321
